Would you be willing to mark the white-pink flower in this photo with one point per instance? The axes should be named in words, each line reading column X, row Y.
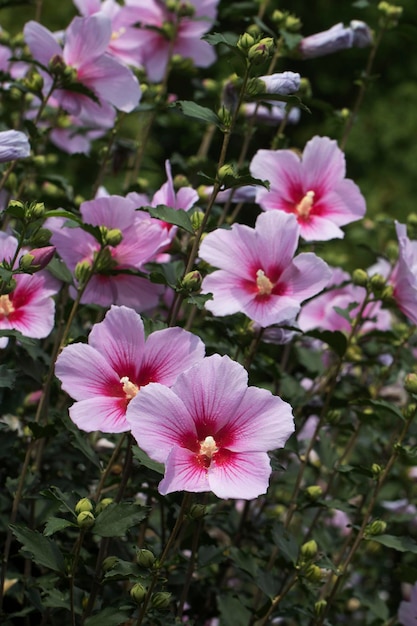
column 259, row 275
column 86, row 42
column 211, row 430
column 313, row 188
column 158, row 25
column 404, row 275
column 117, row 363
column 28, row 307
column 407, row 612
column 142, row 240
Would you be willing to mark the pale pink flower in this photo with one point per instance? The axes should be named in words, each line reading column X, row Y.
column 259, row 275
column 117, row 363
column 28, row 307
column 142, row 239
column 156, row 48
column 86, row 42
column 13, row 145
column 313, row 188
column 321, row 312
column 407, row 612
column 404, row 275
column 211, row 430
column 338, row 37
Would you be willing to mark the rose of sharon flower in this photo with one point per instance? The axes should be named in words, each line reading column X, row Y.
column 259, row 275
column 338, row 37
column 313, row 188
column 404, row 275
column 158, row 25
column 407, row 612
column 211, row 430
column 142, row 239
column 29, row 307
column 13, row 145
column 86, row 41
column 104, row 375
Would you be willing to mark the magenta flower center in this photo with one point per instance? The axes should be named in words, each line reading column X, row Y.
column 304, row 207
column 208, row 449
column 6, row 306
column 265, row 286
column 129, row 388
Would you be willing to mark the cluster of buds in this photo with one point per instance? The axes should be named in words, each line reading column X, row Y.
column 84, row 512
column 286, row 21
column 181, row 8
column 390, row 14
column 256, row 48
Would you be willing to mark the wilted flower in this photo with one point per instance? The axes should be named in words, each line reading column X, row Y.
column 211, row 430
column 104, row 375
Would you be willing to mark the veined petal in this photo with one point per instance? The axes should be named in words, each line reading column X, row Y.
column 306, row 276
column 170, row 352
column 86, row 39
column 277, row 239
column 120, row 338
column 323, row 164
column 41, row 42
column 233, row 250
column 273, row 309
column 318, row 228
column 85, row 373
column 100, row 413
column 283, row 170
column 240, row 475
column 183, row 472
column 113, row 82
column 229, row 294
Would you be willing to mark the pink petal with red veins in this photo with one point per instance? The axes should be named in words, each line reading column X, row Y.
column 282, row 169
column 120, row 338
column 240, row 475
column 41, row 42
column 231, row 293
column 355, row 205
column 318, row 228
column 85, row 373
column 277, row 240
column 183, row 472
column 100, row 413
column 34, row 308
column 86, row 39
column 306, row 276
column 272, row 309
column 233, row 250
column 168, row 353
column 323, row 164
column 155, row 435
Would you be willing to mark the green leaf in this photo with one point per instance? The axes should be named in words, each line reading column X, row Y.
column 401, row 544
column 143, row 459
column 59, row 270
column 385, row 406
column 203, row 114
column 199, row 300
column 167, row 274
column 44, row 551
column 229, row 182
column 360, row 4
column 108, row 617
column 346, row 313
column 228, row 39
column 232, row 611
column 116, row 519
column 335, row 339
column 80, row 441
column 285, row 542
column 178, row 217
column 7, row 377
column 291, row 40
column 55, row 524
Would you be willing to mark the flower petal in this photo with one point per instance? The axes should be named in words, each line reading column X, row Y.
column 306, row 276
column 240, row 475
column 323, row 164
column 183, row 472
column 100, row 413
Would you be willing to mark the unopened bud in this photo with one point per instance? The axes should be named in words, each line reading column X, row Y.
column 37, row 259
column 180, row 181
column 320, row 607
column 292, row 24
column 34, row 210
column 410, row 383
column 261, row 50
column 114, row 237
column 245, row 42
column 197, row 511
column 360, row 277
column 314, row 492
column 377, row 527
column 313, row 573
column 161, row 599
column 226, row 170
column 309, row 549
column 278, row 17
column 378, row 283
column 409, row 411
column 185, row 9
column 57, row 64
column 103, row 504
column 109, row 563
column 83, row 505
column 82, row 271
column 85, row 519
column 376, row 470
column 138, row 593
column 192, row 281
column 196, row 220
column 145, row 558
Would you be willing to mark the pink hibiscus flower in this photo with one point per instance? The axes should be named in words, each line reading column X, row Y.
column 142, row 239
column 404, row 275
column 29, row 307
column 313, row 188
column 86, row 42
column 104, row 375
column 211, row 430
column 320, row 312
column 259, row 275
column 156, row 48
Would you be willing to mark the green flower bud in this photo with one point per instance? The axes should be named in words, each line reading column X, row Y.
column 292, row 24
column 245, row 42
column 185, row 9
column 161, row 600
column 83, row 505
column 109, row 563
column 320, row 607
column 224, row 116
column 103, row 504
column 34, row 210
column 180, row 181
column 360, row 277
column 114, row 237
column 314, row 492
column 197, row 511
column 192, row 281
column 85, row 519
column 82, row 271
column 378, row 283
column 309, row 550
column 196, row 220
column 226, row 170
column 278, row 17
column 169, row 30
column 410, row 383
column 409, row 411
column 313, row 573
column 145, row 558
column 261, row 51
column 138, row 593
column 377, row 527
column 376, row 470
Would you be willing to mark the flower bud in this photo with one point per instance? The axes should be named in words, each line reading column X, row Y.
column 278, row 17
column 82, row 271
column 410, row 383
column 185, row 9
column 161, row 599
column 196, row 220
column 180, row 181
column 34, row 210
column 309, row 550
column 37, row 259
column 376, row 470
column 409, row 411
column 145, row 558
column 56, row 64
column 109, row 563
column 103, row 504
column 224, row 116
column 85, row 519
column 377, row 527
column 261, row 51
column 245, row 42
column 378, row 283
column 313, row 573
column 197, row 511
column 226, row 170
column 360, row 277
column 114, row 237
column 192, row 281
column 314, row 492
column 292, row 24
column 320, row 607
column 138, row 593
column 83, row 505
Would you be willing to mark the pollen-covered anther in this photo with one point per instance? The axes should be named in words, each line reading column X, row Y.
column 118, row 33
column 208, row 447
column 264, row 284
column 129, row 388
column 6, row 306
column 304, row 207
